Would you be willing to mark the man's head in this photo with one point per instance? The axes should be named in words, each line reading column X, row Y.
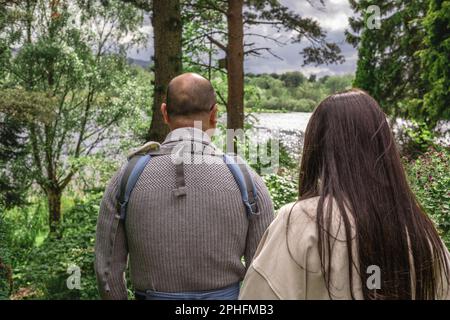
column 190, row 97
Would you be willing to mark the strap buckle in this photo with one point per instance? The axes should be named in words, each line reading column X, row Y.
column 254, row 208
column 123, row 210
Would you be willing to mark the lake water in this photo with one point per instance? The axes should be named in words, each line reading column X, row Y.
column 288, row 127
column 292, row 121
column 291, row 127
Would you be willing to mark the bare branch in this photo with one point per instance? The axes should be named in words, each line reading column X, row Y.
column 256, row 52
column 202, row 36
column 224, row 102
column 272, row 23
column 266, row 37
column 65, row 181
column 217, row 43
column 208, row 66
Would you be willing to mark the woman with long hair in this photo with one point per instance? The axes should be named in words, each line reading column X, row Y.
column 357, row 230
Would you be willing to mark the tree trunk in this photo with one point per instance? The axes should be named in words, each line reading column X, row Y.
column 235, row 65
column 54, row 208
column 167, row 29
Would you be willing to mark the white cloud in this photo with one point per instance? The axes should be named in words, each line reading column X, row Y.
column 335, row 22
column 332, row 17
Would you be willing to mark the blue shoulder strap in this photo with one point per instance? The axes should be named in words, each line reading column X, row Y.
column 245, row 183
column 137, row 164
column 133, row 171
column 129, row 179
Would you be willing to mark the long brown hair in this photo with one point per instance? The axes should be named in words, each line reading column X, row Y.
column 350, row 156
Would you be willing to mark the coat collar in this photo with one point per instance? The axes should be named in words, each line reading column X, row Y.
column 187, row 134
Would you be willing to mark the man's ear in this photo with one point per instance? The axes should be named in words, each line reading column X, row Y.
column 213, row 117
column 164, row 113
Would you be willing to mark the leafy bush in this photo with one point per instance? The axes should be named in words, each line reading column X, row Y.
column 290, row 91
column 44, row 268
column 5, row 269
column 418, row 138
column 291, row 104
column 429, row 177
column 282, row 189
column 29, row 224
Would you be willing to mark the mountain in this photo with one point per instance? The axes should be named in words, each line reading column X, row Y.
column 141, row 63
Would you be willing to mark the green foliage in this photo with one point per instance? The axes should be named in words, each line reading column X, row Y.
column 134, row 99
column 9, row 34
column 283, row 190
column 290, row 91
column 5, row 260
column 404, row 64
column 419, row 139
column 43, row 268
column 13, row 179
column 436, row 60
column 282, row 185
column 292, row 79
column 335, row 84
column 197, row 26
column 29, row 224
column 388, row 67
column 95, row 172
column 79, row 75
column 18, row 108
column 429, row 177
column 300, row 105
column 69, row 85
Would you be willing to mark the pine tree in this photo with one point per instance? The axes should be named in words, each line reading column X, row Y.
column 436, row 61
column 5, row 269
column 389, row 67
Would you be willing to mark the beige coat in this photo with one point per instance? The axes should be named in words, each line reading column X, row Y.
column 287, row 263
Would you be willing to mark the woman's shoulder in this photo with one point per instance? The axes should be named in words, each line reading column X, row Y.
column 286, row 250
column 309, row 204
column 296, row 218
column 301, row 210
column 289, row 253
column 301, row 218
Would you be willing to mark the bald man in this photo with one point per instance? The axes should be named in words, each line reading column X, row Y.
column 184, row 226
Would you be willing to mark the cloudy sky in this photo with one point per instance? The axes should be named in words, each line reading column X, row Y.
column 334, row 20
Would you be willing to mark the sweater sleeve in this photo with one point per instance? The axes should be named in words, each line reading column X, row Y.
column 258, row 223
column 111, row 252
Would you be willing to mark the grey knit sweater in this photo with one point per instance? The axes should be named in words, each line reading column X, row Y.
column 179, row 244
